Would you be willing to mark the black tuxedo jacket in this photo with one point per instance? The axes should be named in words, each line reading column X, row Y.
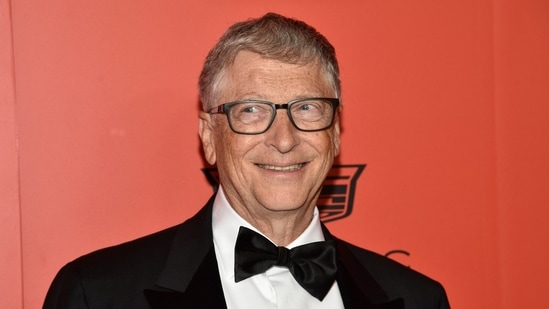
column 177, row 268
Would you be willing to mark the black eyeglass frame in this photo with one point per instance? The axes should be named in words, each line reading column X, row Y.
column 225, row 108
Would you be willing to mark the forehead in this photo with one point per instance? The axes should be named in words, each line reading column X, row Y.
column 254, row 76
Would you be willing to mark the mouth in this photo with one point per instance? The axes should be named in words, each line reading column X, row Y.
column 288, row 168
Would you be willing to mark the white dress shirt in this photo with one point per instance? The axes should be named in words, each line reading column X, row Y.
column 276, row 288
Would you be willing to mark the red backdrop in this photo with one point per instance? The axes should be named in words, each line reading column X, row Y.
column 445, row 101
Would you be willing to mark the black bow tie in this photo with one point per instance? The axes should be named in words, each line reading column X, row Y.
column 312, row 265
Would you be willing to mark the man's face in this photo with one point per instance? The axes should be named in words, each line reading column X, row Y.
column 281, row 170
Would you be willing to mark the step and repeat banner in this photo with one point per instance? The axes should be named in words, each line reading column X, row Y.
column 107, row 107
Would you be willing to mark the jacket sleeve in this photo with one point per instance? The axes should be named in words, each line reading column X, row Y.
column 66, row 290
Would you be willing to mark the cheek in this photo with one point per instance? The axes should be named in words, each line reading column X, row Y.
column 330, row 143
column 231, row 148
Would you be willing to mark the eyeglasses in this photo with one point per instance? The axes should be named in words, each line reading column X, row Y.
column 257, row 116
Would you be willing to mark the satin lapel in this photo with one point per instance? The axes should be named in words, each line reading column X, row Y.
column 203, row 291
column 357, row 286
column 190, row 278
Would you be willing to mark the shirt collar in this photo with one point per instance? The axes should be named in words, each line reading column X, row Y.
column 225, row 225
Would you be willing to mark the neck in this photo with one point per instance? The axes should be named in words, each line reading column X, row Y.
column 282, row 228
column 282, row 225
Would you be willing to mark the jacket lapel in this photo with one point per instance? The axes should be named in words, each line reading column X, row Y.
column 357, row 286
column 190, row 278
column 203, row 291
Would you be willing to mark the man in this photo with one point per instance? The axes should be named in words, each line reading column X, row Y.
column 270, row 122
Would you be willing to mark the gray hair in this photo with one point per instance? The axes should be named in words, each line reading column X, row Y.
column 272, row 36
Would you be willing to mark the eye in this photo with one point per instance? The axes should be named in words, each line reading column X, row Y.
column 249, row 109
column 308, row 107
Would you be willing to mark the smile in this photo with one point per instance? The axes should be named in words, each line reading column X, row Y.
column 281, row 168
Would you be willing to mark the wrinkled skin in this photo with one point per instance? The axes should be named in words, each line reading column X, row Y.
column 272, row 179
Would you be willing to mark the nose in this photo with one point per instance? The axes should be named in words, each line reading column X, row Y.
column 282, row 134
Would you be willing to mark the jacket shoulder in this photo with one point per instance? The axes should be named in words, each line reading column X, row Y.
column 116, row 276
column 111, row 277
column 146, row 249
column 399, row 281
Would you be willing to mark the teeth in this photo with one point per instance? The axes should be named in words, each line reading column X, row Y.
column 281, row 168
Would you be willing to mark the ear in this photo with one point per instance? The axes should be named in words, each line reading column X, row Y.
column 336, row 139
column 205, row 130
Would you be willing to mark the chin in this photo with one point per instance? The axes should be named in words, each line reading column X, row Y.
column 286, row 204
